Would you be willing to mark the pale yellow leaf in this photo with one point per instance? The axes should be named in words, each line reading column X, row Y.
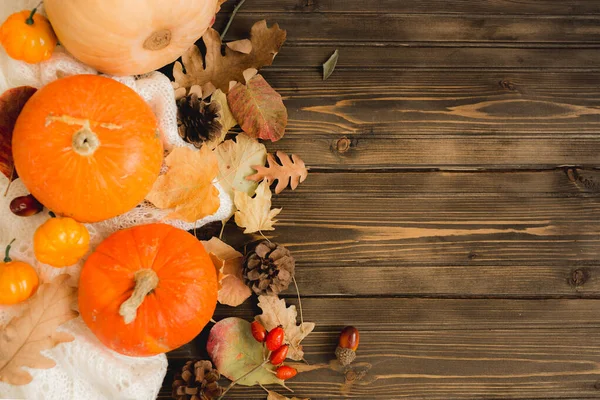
column 255, row 214
column 228, row 262
column 187, row 186
column 24, row 337
column 225, row 118
column 236, row 159
column 275, row 314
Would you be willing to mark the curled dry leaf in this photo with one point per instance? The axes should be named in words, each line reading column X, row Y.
column 241, row 46
column 228, row 262
column 255, row 214
column 235, row 353
column 275, row 314
column 11, row 103
column 24, row 337
column 259, row 109
column 225, row 118
column 236, row 159
column 329, row 65
column 187, row 186
column 290, row 171
column 218, row 70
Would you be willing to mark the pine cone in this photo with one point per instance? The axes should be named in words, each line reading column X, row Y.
column 269, row 268
column 197, row 120
column 198, row 380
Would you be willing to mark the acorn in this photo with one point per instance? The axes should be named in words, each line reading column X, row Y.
column 347, row 345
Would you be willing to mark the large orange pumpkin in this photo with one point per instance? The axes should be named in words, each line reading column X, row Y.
column 148, row 290
column 87, row 147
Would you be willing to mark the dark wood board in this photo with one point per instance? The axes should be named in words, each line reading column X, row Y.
column 453, row 205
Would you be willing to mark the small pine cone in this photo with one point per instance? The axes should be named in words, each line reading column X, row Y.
column 197, row 120
column 345, row 356
column 198, row 380
column 269, row 268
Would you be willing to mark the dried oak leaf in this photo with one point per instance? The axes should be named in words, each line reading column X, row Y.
column 290, row 171
column 218, row 70
column 275, row 314
column 11, row 103
column 276, row 396
column 259, row 109
column 24, row 337
column 236, row 159
column 228, row 262
column 225, row 118
column 187, row 186
column 255, row 214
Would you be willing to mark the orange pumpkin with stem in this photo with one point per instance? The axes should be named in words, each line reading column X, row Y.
column 18, row 280
column 28, row 36
column 87, row 147
column 60, row 242
column 148, row 290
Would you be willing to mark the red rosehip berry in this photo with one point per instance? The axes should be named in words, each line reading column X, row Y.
column 275, row 338
column 278, row 356
column 258, row 331
column 285, row 372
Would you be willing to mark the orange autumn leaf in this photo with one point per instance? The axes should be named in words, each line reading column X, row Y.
column 187, row 186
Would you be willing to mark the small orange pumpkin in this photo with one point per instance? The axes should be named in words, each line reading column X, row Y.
column 87, row 147
column 28, row 36
column 61, row 242
column 18, row 280
column 148, row 290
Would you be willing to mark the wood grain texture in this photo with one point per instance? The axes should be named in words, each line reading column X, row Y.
column 461, row 7
column 395, row 28
column 452, row 208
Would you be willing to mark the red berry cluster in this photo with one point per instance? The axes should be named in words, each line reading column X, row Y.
column 273, row 340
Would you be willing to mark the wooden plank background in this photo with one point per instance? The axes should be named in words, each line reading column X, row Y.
column 452, row 209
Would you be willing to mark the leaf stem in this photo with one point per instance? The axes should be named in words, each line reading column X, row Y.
column 299, row 299
column 235, row 10
column 10, row 179
column 232, row 384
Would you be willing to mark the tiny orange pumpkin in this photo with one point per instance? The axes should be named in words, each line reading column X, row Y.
column 28, row 36
column 18, row 280
column 61, row 242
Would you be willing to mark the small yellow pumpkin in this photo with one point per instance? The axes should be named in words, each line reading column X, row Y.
column 18, row 280
column 61, row 242
column 28, row 37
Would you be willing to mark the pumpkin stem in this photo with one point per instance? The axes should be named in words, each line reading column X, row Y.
column 146, row 281
column 51, row 214
column 29, row 21
column 85, row 141
column 7, row 258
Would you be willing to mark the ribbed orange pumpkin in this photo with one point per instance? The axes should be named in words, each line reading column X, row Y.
column 148, row 290
column 87, row 147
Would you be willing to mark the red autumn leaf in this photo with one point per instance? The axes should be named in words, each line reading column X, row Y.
column 259, row 109
column 11, row 104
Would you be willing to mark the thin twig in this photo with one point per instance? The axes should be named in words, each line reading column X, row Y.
column 232, row 384
column 235, row 10
column 299, row 300
column 10, row 179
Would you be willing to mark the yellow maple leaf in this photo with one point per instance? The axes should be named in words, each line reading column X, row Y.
column 255, row 214
column 187, row 186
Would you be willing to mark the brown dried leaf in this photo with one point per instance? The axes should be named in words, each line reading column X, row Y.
column 218, row 70
column 24, row 337
column 228, row 262
column 187, row 186
column 259, row 109
column 255, row 214
column 290, row 171
column 11, row 103
column 275, row 314
column 241, row 46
